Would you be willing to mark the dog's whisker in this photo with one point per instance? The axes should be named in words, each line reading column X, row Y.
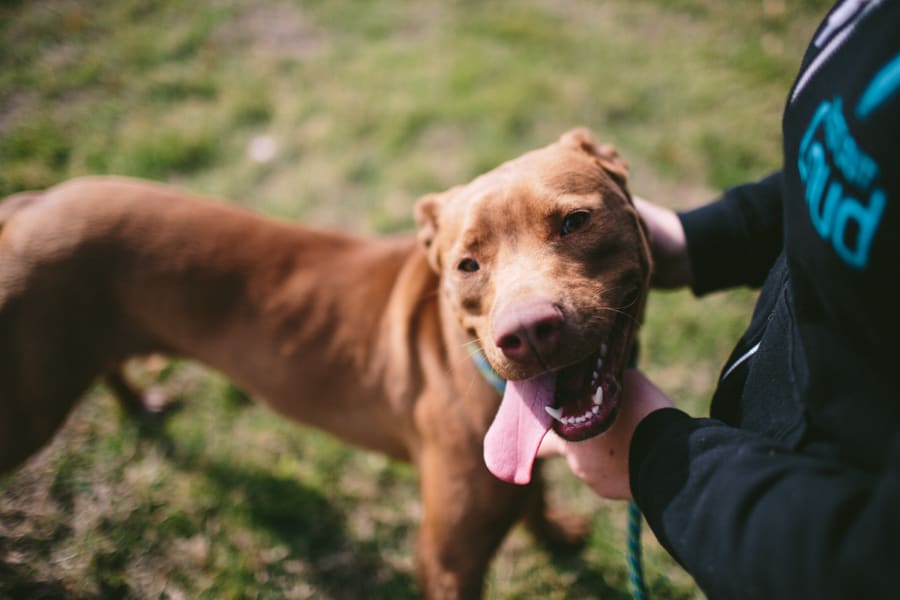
column 619, row 311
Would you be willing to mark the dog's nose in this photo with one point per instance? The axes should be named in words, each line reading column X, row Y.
column 529, row 330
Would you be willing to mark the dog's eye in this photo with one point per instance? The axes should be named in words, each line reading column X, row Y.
column 468, row 265
column 574, row 221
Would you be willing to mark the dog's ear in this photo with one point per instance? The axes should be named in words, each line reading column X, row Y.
column 606, row 155
column 427, row 212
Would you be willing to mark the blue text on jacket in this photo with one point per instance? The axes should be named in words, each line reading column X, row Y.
column 844, row 199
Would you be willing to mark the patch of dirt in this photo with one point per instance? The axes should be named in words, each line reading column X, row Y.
column 274, row 30
column 13, row 108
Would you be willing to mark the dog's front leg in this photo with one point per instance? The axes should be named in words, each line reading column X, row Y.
column 467, row 513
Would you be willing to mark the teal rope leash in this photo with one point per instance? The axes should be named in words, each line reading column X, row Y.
column 635, row 555
column 635, row 520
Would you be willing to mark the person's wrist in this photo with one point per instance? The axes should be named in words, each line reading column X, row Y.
column 668, row 243
column 649, row 436
column 679, row 267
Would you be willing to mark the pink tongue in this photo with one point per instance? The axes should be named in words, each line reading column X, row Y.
column 513, row 439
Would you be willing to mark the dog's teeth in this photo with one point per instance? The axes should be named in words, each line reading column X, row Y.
column 595, row 409
column 603, row 349
column 556, row 413
column 595, row 376
column 598, row 396
column 599, row 364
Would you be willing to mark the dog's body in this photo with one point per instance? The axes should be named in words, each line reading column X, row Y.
column 345, row 333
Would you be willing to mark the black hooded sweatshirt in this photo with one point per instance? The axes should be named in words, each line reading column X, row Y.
column 792, row 488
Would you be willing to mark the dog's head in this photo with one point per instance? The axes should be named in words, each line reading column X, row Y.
column 545, row 261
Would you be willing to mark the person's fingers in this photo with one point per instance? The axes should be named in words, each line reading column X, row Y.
column 552, row 445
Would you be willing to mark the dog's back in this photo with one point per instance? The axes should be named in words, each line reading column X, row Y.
column 59, row 324
column 99, row 269
column 18, row 419
column 15, row 203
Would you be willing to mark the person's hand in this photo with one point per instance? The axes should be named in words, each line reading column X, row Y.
column 671, row 264
column 602, row 461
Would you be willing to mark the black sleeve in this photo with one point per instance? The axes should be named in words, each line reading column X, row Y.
column 735, row 240
column 751, row 519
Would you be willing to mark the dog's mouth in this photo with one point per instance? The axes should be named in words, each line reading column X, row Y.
column 587, row 395
column 578, row 401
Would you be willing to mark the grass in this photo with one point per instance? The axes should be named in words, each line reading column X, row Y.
column 365, row 109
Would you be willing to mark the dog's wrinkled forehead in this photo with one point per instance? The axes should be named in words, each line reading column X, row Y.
column 542, row 177
column 521, row 194
column 524, row 194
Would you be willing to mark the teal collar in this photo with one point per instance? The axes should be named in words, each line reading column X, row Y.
column 484, row 367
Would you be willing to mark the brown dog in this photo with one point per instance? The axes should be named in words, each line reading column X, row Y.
column 543, row 261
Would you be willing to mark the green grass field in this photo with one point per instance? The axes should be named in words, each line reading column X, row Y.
column 356, row 109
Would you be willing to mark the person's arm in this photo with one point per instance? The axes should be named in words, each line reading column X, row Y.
column 751, row 519
column 734, row 240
